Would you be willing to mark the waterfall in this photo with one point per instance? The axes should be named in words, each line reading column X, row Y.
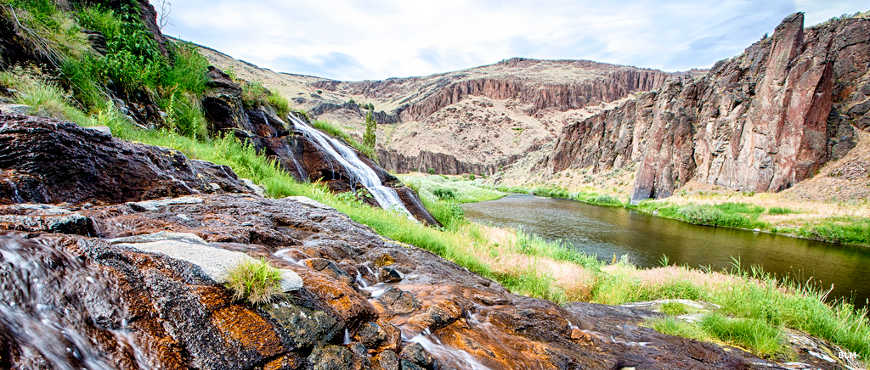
column 386, row 197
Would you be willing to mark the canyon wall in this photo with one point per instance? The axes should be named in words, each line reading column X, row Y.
column 562, row 97
column 761, row 121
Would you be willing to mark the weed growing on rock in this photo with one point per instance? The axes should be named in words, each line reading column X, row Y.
column 255, row 281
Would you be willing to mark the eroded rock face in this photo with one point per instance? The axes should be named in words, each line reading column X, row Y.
column 762, row 121
column 47, row 161
column 144, row 310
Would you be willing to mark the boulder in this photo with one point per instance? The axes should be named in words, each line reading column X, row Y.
column 48, row 161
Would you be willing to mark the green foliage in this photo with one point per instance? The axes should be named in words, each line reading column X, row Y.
column 780, row 211
column 255, row 281
column 369, row 137
column 338, row 133
column 674, row 308
column 734, row 215
column 463, row 191
column 46, row 29
column 444, row 193
column 254, row 95
column 757, row 335
column 533, row 245
column 839, row 231
column 677, row 327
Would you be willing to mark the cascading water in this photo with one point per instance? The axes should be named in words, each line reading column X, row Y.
column 52, row 307
column 386, row 197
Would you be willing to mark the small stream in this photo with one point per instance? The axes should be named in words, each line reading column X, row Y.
column 606, row 232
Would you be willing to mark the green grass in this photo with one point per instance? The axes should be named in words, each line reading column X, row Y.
column 254, row 94
column 462, row 190
column 460, row 242
column 255, row 281
column 780, row 211
column 734, row 215
column 338, row 133
column 674, row 308
column 757, row 335
column 758, row 297
column 680, row 328
column 533, row 245
column 839, row 230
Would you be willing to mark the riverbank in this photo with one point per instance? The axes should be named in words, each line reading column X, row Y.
column 843, row 223
column 755, row 310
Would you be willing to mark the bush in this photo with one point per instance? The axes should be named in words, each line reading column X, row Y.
column 444, row 193
column 255, row 281
column 780, row 211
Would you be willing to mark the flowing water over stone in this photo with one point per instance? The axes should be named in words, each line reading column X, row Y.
column 49, row 299
column 607, row 232
column 385, row 196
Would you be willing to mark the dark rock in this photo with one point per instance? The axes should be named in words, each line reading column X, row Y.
column 415, row 357
column 331, row 358
column 390, row 275
column 47, row 161
column 303, row 328
column 400, row 301
column 387, row 360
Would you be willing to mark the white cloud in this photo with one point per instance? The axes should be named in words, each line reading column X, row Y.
column 352, row 40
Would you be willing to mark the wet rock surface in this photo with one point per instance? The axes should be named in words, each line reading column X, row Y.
column 47, row 161
column 170, row 313
column 761, row 121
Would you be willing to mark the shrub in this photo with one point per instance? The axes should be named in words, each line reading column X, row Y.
column 780, row 211
column 444, row 193
column 369, row 138
column 255, row 281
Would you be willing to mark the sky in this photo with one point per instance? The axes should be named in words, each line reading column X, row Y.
column 370, row 40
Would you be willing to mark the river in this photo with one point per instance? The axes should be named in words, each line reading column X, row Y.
column 606, row 232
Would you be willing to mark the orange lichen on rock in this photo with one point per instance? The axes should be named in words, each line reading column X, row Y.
column 248, row 328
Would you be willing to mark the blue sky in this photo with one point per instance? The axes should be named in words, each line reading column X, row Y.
column 357, row 40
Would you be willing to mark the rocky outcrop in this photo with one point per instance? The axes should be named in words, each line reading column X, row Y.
column 380, row 116
column 437, row 162
column 296, row 153
column 46, row 161
column 761, row 121
column 113, row 305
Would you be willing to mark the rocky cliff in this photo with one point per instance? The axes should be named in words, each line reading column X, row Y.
column 761, row 121
column 471, row 121
column 95, row 286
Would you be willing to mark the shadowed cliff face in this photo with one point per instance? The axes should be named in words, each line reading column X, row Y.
column 761, row 121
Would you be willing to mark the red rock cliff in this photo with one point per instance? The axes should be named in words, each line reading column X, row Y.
column 761, row 121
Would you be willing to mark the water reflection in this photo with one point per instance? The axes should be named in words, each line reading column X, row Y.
column 607, row 232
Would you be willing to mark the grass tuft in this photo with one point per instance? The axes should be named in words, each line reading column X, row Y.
column 255, row 281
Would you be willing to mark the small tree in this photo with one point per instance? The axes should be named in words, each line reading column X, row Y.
column 371, row 130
